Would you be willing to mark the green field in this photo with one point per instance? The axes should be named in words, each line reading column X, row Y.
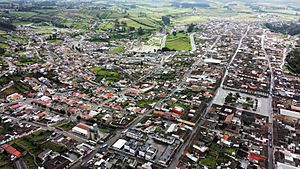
column 2, row 32
column 3, row 45
column 23, row 14
column 138, row 22
column 216, row 155
column 191, row 19
column 109, row 75
column 36, row 143
column 67, row 126
column 117, row 49
column 179, row 42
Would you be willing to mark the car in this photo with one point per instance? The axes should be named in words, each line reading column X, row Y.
column 103, row 145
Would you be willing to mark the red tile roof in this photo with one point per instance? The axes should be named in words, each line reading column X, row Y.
column 11, row 150
column 83, row 126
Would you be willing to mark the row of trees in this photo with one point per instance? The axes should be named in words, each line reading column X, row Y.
column 7, row 25
column 291, row 28
column 293, row 60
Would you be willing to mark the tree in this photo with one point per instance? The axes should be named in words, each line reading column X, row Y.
column 141, row 31
column 78, row 118
column 131, row 28
column 237, row 95
column 174, row 33
column 191, row 28
column 166, row 20
column 2, row 51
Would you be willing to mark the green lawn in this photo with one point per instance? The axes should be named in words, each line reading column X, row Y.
column 109, row 75
column 35, row 144
column 116, row 50
column 216, row 155
column 140, row 23
column 68, row 126
column 2, row 32
column 208, row 161
column 54, row 41
column 5, row 163
column 3, row 45
column 179, row 42
column 106, row 25
column 23, row 60
column 29, row 160
column 144, row 103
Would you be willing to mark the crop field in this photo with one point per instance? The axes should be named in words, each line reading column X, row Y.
column 191, row 19
column 23, row 14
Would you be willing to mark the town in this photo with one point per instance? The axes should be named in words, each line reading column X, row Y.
column 217, row 94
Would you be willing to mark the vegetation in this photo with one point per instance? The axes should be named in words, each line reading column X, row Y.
column 109, row 75
column 146, row 103
column 293, row 60
column 216, row 155
column 28, row 60
column 117, row 49
column 178, row 42
column 291, row 28
column 67, row 126
column 5, row 162
column 17, row 87
column 36, row 143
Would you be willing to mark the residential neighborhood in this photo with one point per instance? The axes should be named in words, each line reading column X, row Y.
column 215, row 94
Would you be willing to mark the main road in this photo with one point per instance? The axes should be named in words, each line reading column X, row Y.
column 270, row 130
column 234, row 55
column 192, row 39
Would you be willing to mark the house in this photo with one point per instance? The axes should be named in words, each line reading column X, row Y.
column 14, row 97
column 20, row 164
column 151, row 153
column 82, row 129
column 12, row 151
column 58, row 162
column 44, row 155
column 107, row 118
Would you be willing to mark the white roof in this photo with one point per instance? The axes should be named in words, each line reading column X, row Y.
column 119, row 144
column 290, row 113
column 209, row 60
column 171, row 128
column 285, row 166
column 79, row 130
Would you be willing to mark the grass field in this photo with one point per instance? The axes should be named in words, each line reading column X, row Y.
column 116, row 50
column 18, row 87
column 217, row 155
column 2, row 32
column 23, row 14
column 191, row 19
column 109, row 75
column 180, row 42
column 141, row 23
column 3, row 45
column 54, row 41
column 5, row 162
column 36, row 143
column 68, row 126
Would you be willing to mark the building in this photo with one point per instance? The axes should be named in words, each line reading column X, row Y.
column 82, row 129
column 20, row 164
column 58, row 162
column 12, row 151
column 14, row 97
